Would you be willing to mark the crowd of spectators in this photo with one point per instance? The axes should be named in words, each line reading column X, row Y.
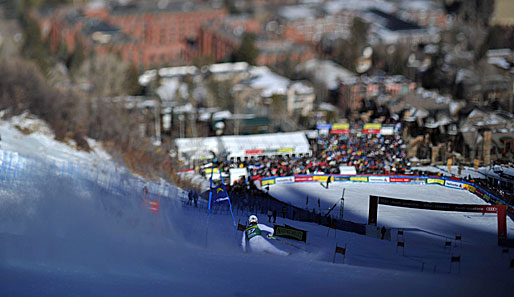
column 367, row 153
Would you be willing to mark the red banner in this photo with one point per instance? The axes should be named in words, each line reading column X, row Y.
column 399, row 179
column 303, row 178
column 254, row 152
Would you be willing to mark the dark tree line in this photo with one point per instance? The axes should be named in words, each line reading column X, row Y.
column 70, row 116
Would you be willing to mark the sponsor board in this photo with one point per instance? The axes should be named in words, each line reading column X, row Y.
column 435, row 181
column 436, row 205
column 286, row 150
column 341, row 126
column 418, row 180
column 452, row 184
column 486, row 197
column 378, row 179
column 266, row 182
column 209, row 170
column 254, row 152
column 359, row 178
column 341, row 178
column 284, row 180
column 320, row 178
column 290, row 232
column 469, row 188
column 323, row 126
column 339, row 131
column 479, row 193
column 372, row 128
column 302, row 178
column 399, row 179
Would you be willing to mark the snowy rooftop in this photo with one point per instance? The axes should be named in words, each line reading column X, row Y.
column 228, row 67
column 270, row 82
column 238, row 144
column 337, row 6
column 326, row 71
column 296, row 12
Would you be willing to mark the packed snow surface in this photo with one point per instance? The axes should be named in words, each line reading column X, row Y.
column 78, row 227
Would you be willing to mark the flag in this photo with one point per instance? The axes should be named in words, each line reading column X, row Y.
column 241, row 227
column 219, row 193
column 341, row 250
column 455, row 259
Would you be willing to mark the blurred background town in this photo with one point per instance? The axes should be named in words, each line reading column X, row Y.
column 170, row 85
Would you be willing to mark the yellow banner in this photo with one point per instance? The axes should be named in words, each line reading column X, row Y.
column 469, row 188
column 435, row 181
column 359, row 178
column 341, row 126
column 208, row 170
column 285, row 150
column 372, row 126
column 268, row 182
column 321, row 178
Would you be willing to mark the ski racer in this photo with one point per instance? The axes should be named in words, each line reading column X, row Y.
column 256, row 241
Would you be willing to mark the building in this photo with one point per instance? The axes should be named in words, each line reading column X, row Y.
column 387, row 28
column 158, row 34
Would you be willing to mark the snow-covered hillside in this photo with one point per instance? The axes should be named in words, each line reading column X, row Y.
column 72, row 224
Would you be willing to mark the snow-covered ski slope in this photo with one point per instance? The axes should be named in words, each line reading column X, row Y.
column 77, row 227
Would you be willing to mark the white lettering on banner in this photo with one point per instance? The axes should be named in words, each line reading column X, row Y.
column 378, row 179
column 283, row 180
column 453, row 184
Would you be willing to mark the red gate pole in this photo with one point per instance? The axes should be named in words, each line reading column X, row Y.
column 502, row 221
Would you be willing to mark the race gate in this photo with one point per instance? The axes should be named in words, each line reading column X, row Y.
column 500, row 210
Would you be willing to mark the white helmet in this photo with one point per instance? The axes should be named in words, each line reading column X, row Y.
column 252, row 219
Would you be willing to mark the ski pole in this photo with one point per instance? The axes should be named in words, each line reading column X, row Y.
column 288, row 243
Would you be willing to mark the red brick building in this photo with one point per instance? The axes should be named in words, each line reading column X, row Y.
column 219, row 39
column 355, row 90
column 144, row 35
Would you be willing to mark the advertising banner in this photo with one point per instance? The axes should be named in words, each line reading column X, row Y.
column 435, row 181
column 469, row 188
column 359, row 178
column 284, row 180
column 321, row 178
column 290, row 232
column 254, row 152
column 399, row 179
column 341, row 178
column 372, row 128
column 286, row 150
column 340, row 128
column 378, row 179
column 323, row 126
column 302, row 179
column 418, row 180
column 437, row 205
column 266, row 182
column 479, row 193
column 453, row 184
column 210, row 169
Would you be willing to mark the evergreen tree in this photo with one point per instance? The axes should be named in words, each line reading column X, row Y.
column 132, row 85
column 247, row 51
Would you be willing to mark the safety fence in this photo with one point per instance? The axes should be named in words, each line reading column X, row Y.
column 401, row 179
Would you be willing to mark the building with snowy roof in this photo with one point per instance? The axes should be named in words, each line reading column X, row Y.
column 242, row 146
